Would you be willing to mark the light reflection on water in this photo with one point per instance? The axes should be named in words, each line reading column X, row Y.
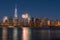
column 32, row 34
column 25, row 33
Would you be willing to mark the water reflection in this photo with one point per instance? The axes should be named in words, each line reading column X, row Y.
column 32, row 34
column 9, row 33
column 4, row 33
column 55, row 34
column 0, row 33
column 25, row 33
column 40, row 34
column 15, row 31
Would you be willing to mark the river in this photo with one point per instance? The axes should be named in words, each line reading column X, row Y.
column 26, row 33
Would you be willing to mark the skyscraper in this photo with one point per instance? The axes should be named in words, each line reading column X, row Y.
column 15, row 14
column 15, row 31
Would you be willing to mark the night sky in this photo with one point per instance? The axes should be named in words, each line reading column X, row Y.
column 35, row 8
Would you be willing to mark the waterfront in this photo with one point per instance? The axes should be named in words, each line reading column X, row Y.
column 33, row 34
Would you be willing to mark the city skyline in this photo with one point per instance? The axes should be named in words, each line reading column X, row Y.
column 29, row 19
column 46, row 8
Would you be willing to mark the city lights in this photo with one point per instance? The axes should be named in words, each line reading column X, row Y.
column 28, row 21
column 25, row 16
column 5, row 18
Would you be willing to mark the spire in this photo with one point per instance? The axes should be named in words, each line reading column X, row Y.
column 15, row 13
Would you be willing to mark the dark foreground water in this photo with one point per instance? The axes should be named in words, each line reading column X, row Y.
column 35, row 33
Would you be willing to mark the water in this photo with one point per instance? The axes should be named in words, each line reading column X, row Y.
column 15, row 33
column 33, row 34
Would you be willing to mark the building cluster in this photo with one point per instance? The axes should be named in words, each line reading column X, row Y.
column 26, row 21
column 33, row 22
